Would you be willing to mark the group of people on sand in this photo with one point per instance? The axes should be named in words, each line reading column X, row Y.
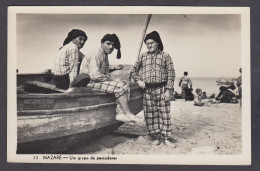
column 225, row 95
column 153, row 71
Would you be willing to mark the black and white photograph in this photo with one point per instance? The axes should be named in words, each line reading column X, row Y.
column 129, row 85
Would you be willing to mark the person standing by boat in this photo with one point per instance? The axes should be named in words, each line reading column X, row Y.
column 239, row 86
column 184, row 83
column 154, row 72
column 66, row 64
column 96, row 64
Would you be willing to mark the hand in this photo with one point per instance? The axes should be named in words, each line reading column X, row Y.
column 167, row 95
column 141, row 84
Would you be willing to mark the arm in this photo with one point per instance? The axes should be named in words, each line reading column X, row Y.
column 180, row 82
column 219, row 94
column 190, row 83
column 171, row 73
column 73, row 63
column 239, row 81
column 136, row 68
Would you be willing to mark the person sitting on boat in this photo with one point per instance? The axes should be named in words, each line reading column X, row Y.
column 239, row 85
column 184, row 83
column 65, row 66
column 96, row 64
column 154, row 72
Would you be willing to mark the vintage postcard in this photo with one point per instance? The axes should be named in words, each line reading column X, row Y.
column 129, row 85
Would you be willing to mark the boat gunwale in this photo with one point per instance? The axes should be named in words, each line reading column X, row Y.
column 68, row 110
column 92, row 92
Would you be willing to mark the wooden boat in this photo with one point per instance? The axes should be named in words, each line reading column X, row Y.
column 225, row 82
column 60, row 122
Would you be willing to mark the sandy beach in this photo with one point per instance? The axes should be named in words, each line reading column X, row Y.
column 211, row 129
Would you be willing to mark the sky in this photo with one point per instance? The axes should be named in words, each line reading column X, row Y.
column 205, row 45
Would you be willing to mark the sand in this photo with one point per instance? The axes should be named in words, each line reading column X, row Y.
column 213, row 129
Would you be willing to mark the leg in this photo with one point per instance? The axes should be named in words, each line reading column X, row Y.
column 61, row 82
column 123, row 101
column 182, row 92
column 183, row 88
column 150, row 113
column 164, row 111
column 120, row 90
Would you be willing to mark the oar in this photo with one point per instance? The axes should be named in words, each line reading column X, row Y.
column 142, row 39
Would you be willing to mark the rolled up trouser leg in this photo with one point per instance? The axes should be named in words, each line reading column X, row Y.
column 117, row 88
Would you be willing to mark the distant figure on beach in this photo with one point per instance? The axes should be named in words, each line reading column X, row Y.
column 96, row 64
column 204, row 95
column 225, row 95
column 65, row 66
column 188, row 94
column 197, row 99
column 156, row 77
column 239, row 86
column 184, row 83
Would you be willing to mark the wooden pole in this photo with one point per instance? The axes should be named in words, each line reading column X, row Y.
column 144, row 32
column 142, row 39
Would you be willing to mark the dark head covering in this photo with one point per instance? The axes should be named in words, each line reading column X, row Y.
column 156, row 37
column 185, row 73
column 232, row 87
column 113, row 38
column 222, row 88
column 73, row 34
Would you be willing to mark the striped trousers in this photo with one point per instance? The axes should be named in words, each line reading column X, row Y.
column 117, row 88
column 157, row 112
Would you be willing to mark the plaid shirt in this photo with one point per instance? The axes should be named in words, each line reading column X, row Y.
column 66, row 61
column 154, row 68
column 95, row 64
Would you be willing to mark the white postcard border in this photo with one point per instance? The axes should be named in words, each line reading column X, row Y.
column 243, row 159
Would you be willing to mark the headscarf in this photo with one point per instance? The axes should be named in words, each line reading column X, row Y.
column 113, row 38
column 73, row 34
column 156, row 37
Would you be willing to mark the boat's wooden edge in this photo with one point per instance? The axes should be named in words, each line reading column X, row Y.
column 78, row 92
column 57, row 145
column 63, row 111
column 69, row 110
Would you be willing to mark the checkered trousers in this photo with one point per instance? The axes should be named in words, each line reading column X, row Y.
column 157, row 111
column 117, row 88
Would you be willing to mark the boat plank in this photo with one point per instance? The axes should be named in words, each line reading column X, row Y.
column 31, row 129
column 57, row 145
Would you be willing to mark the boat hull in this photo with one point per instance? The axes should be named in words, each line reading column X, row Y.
column 57, row 123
